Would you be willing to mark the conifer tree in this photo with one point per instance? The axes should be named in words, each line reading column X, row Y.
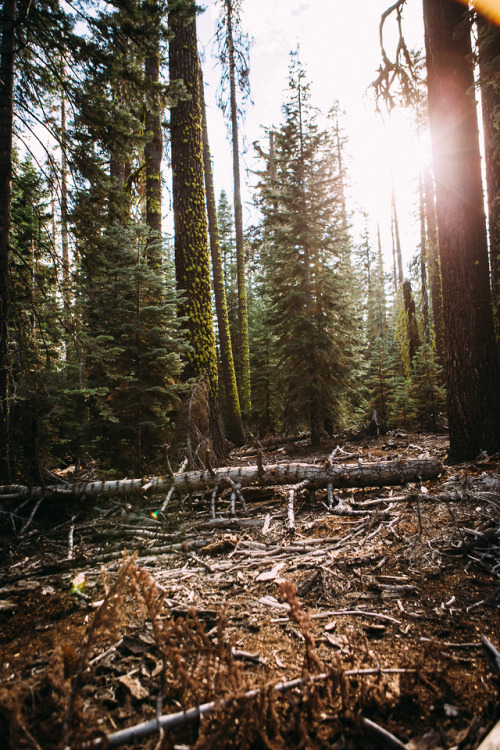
column 31, row 36
column 35, row 335
column 305, row 234
column 134, row 352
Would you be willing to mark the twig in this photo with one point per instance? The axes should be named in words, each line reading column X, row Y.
column 198, row 560
column 492, row 654
column 32, row 515
column 385, row 738
column 147, row 728
column 212, row 501
column 70, row 541
column 290, row 510
column 322, row 615
column 236, row 493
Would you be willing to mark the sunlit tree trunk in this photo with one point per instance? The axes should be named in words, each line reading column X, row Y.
column 6, row 123
column 423, row 259
column 473, row 380
column 489, row 65
column 226, row 353
column 397, row 239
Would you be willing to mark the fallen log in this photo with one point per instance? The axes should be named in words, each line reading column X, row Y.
column 378, row 474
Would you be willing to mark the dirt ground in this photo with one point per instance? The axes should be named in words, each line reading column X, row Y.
column 375, row 604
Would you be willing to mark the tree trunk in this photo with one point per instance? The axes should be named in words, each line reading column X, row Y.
column 473, row 381
column 434, row 266
column 381, row 301
column 423, row 259
column 357, row 475
column 190, row 216
column 238, row 222
column 64, row 203
column 489, row 66
column 411, row 327
column 6, row 123
column 237, row 434
column 397, row 240
column 153, row 153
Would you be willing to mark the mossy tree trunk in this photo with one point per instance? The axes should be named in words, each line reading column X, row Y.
column 190, row 217
column 434, row 267
column 473, row 379
column 244, row 345
column 237, row 434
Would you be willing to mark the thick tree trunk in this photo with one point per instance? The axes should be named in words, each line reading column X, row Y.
column 153, row 153
column 6, row 123
column 489, row 66
column 190, row 216
column 473, row 380
column 358, row 475
column 244, row 346
column 237, row 434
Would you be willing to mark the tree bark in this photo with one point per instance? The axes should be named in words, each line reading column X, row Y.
column 190, row 217
column 489, row 66
column 358, row 475
column 64, row 201
column 411, row 328
column 237, row 434
column 244, row 346
column 6, row 124
column 434, row 266
column 423, row 259
column 473, row 380
column 397, row 240
column 153, row 152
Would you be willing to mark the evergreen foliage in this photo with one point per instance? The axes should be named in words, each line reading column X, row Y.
column 35, row 334
column 305, row 274
column 134, row 353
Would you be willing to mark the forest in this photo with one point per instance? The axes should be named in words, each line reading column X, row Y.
column 217, row 431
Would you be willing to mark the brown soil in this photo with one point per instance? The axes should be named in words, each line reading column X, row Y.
column 404, row 584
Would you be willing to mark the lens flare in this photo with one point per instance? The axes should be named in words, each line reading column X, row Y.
column 488, row 8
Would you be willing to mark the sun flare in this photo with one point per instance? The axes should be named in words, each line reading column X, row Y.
column 488, row 8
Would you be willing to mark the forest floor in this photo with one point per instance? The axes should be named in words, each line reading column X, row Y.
column 395, row 588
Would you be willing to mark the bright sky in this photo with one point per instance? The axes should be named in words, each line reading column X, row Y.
column 339, row 49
